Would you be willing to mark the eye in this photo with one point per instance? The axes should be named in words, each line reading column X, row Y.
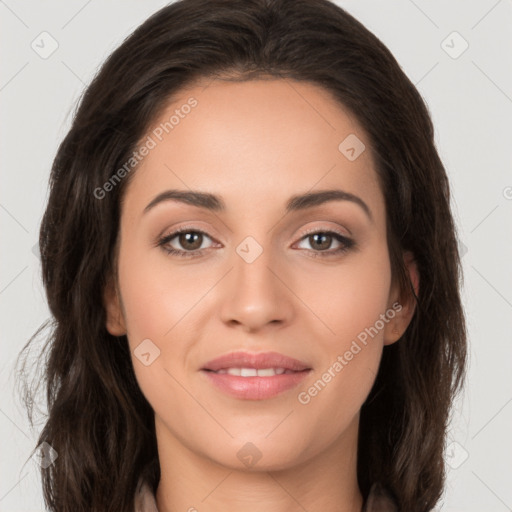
column 322, row 240
column 188, row 238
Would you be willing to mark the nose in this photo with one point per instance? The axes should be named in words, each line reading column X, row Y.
column 256, row 295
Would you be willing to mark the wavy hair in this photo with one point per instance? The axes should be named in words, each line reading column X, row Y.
column 98, row 420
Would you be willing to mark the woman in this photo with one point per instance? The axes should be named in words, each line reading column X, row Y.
column 252, row 369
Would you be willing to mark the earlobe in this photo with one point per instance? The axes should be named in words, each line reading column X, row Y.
column 115, row 324
column 407, row 303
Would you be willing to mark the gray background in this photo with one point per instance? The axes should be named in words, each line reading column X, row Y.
column 469, row 95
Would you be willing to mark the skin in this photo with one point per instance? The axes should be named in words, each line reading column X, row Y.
column 256, row 144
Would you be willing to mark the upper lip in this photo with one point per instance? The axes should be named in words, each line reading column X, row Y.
column 258, row 360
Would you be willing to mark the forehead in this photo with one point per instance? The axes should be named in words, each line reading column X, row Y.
column 254, row 143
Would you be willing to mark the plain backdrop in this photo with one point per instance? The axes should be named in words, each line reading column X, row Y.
column 457, row 53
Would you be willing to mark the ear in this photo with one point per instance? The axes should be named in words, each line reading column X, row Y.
column 403, row 305
column 115, row 323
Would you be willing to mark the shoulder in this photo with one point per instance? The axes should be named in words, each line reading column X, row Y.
column 379, row 500
column 144, row 498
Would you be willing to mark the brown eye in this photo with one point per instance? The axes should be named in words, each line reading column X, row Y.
column 184, row 242
column 321, row 241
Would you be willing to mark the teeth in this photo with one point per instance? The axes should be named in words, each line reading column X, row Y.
column 269, row 372
column 253, row 372
column 248, row 372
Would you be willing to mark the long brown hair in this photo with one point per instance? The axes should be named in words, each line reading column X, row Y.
column 98, row 421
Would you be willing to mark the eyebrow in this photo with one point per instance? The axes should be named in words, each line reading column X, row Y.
column 295, row 203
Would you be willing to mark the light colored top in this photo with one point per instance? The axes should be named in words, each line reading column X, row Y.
column 379, row 499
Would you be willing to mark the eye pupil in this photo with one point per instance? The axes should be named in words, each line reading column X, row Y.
column 324, row 236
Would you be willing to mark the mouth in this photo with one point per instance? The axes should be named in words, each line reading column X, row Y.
column 253, row 372
column 257, row 376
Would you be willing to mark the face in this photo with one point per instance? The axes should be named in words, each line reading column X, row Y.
column 310, row 280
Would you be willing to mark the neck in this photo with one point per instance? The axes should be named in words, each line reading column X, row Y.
column 191, row 482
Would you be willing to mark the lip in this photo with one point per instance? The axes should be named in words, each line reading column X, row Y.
column 257, row 360
column 255, row 388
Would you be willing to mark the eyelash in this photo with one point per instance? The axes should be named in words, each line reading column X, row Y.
column 347, row 243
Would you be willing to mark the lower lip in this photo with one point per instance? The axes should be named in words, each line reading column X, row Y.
column 255, row 388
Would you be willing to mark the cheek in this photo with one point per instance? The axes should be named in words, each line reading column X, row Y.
column 155, row 300
column 350, row 300
column 155, row 306
column 346, row 298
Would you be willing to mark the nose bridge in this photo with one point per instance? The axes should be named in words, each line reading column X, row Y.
column 255, row 296
column 252, row 267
